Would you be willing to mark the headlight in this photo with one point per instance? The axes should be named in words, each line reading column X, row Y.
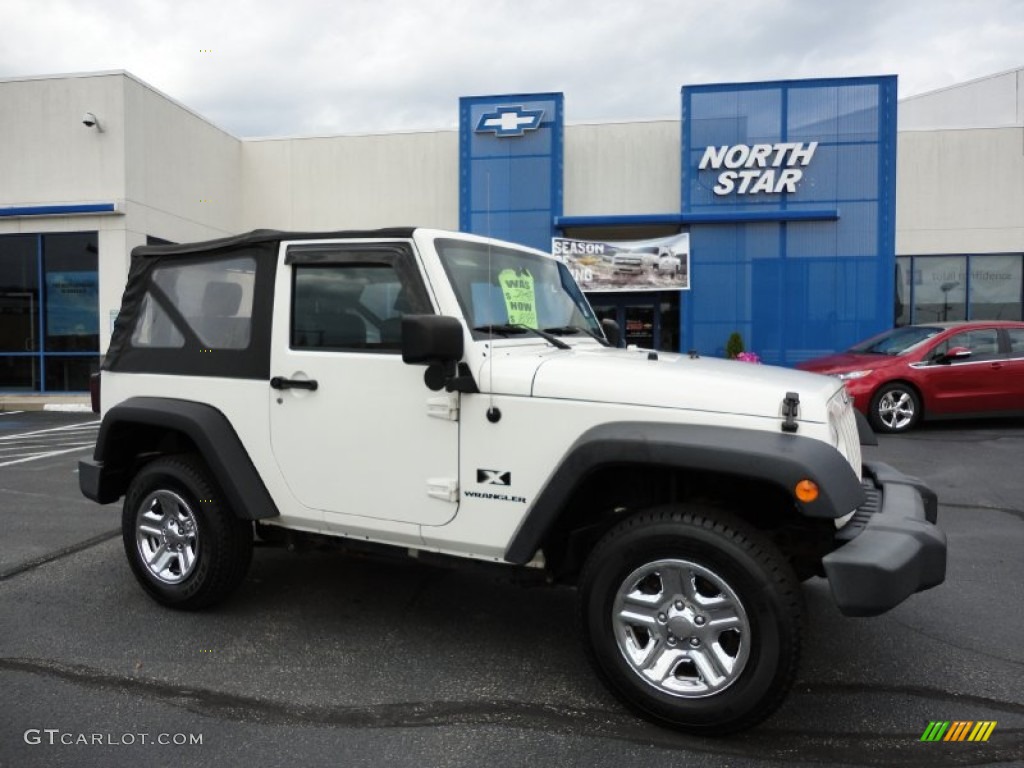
column 850, row 375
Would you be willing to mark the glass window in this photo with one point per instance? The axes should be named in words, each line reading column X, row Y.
column 499, row 286
column 940, row 289
column 49, row 303
column 983, row 343
column 896, row 341
column 669, row 324
column 72, row 292
column 996, row 287
column 902, row 303
column 65, row 373
column 19, row 373
column 352, row 306
column 1016, row 342
column 19, row 294
column 212, row 299
column 154, row 328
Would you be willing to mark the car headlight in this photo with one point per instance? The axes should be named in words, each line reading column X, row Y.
column 850, row 375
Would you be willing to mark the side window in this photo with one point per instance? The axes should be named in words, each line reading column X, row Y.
column 983, row 343
column 356, row 305
column 1016, row 336
column 212, row 299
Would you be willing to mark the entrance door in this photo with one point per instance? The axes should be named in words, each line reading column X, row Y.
column 367, row 438
column 649, row 320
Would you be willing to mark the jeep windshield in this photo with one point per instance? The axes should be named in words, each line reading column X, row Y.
column 506, row 292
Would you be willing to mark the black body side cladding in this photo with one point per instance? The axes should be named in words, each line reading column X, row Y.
column 778, row 458
column 137, row 425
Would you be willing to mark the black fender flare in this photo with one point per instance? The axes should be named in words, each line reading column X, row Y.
column 775, row 457
column 106, row 477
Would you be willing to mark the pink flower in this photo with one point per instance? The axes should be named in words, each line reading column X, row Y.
column 748, row 357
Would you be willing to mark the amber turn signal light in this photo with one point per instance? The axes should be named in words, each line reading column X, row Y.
column 806, row 491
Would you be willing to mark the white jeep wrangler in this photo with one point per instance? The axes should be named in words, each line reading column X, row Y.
column 443, row 393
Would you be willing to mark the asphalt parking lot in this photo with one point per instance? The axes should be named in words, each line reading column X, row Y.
column 327, row 660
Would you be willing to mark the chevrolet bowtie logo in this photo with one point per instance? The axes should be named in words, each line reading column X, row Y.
column 493, row 477
column 510, row 121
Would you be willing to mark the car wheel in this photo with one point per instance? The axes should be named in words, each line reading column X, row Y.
column 184, row 545
column 692, row 619
column 895, row 408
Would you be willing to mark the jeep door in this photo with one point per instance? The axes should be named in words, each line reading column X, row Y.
column 354, row 430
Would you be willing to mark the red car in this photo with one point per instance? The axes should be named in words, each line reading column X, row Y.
column 933, row 371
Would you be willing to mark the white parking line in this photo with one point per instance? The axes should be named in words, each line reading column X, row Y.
column 46, row 443
column 7, row 452
column 10, row 413
column 51, row 430
column 38, row 456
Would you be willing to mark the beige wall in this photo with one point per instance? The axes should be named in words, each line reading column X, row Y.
column 622, row 168
column 996, row 101
column 960, row 191
column 352, row 182
column 47, row 155
column 183, row 173
column 412, row 179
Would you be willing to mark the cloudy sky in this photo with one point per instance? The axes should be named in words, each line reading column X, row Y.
column 302, row 67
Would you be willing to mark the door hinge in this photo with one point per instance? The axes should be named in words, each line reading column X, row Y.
column 444, row 406
column 443, row 488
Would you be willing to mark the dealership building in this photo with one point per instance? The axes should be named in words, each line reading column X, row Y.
column 815, row 212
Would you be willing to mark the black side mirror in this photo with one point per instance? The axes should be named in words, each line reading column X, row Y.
column 430, row 339
column 612, row 331
column 436, row 341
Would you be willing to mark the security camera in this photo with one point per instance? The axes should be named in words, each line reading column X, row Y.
column 90, row 120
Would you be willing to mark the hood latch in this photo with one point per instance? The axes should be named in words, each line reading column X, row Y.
column 790, row 410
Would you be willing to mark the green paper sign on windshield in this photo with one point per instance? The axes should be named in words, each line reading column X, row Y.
column 520, row 303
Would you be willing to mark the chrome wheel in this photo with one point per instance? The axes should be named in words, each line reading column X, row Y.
column 167, row 536
column 681, row 628
column 896, row 409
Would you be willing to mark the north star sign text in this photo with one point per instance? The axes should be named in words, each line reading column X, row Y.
column 769, row 168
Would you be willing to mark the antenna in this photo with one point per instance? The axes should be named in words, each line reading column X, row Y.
column 493, row 414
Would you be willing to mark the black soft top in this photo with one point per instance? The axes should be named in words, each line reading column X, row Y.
column 262, row 237
column 191, row 355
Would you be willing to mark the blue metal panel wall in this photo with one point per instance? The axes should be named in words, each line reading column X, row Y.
column 510, row 173
column 794, row 289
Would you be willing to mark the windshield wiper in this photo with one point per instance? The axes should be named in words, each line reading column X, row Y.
column 570, row 330
column 508, row 329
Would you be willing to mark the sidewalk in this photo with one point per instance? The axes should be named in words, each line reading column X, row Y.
column 79, row 403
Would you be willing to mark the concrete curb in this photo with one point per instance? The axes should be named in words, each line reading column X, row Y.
column 69, row 403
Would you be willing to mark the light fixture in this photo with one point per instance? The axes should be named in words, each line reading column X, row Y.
column 89, row 120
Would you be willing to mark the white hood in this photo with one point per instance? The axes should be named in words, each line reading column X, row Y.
column 628, row 377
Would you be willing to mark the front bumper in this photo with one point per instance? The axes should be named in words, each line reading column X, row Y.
column 891, row 547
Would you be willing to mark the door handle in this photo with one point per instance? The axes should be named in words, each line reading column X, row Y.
column 280, row 382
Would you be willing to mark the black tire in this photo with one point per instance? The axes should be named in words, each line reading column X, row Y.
column 895, row 408
column 184, row 545
column 716, row 554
